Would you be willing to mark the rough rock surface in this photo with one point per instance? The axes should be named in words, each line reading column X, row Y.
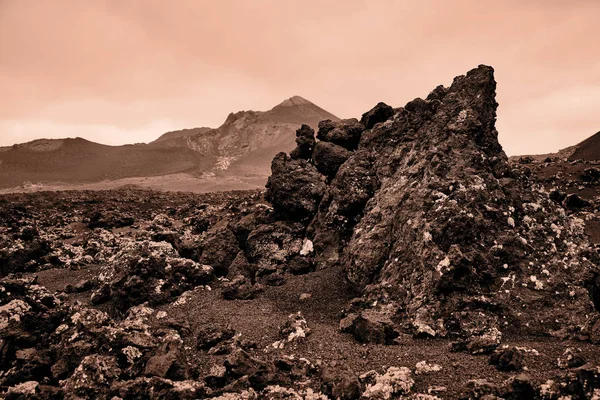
column 441, row 230
column 295, row 187
column 305, row 142
column 380, row 113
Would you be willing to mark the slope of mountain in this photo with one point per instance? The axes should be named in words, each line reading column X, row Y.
column 239, row 150
column 248, row 140
column 588, row 150
column 79, row 160
column 178, row 138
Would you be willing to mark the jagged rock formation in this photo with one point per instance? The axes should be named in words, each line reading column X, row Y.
column 430, row 222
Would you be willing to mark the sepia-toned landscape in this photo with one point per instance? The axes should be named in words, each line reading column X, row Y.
column 295, row 254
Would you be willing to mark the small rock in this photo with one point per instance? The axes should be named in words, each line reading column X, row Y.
column 295, row 329
column 510, row 359
column 571, row 358
column 340, row 382
column 369, row 327
column 423, row 367
column 479, row 389
column 210, row 336
column 305, row 296
column 240, row 288
column 28, row 388
column 519, row 387
column 574, row 202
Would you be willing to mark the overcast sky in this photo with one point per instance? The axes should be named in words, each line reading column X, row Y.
column 119, row 71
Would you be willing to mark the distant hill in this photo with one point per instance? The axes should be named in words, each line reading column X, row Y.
column 241, row 148
column 79, row 160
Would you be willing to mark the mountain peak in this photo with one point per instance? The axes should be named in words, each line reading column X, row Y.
column 294, row 101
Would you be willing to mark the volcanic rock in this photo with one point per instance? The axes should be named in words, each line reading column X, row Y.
column 209, row 336
column 510, row 359
column 345, row 133
column 240, row 288
column 571, row 358
column 294, row 188
column 380, row 113
column 395, row 383
column 219, row 249
column 574, row 202
column 305, row 142
column 340, row 382
column 369, row 327
column 446, row 217
column 328, row 157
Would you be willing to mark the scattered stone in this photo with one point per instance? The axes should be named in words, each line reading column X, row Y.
column 394, row 383
column 479, row 389
column 209, row 336
column 240, row 288
column 340, row 382
column 293, row 331
column 485, row 343
column 508, row 359
column 519, row 387
column 574, row 202
column 369, row 327
column 305, row 296
column 571, row 358
column 93, row 377
column 423, row 367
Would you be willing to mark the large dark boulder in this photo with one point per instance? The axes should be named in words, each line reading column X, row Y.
column 328, row 157
column 380, row 113
column 220, row 248
column 346, row 133
column 294, row 188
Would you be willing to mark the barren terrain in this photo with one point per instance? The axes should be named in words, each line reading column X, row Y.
column 399, row 256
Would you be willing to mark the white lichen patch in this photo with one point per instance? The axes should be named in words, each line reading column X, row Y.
column 12, row 311
column 307, row 247
column 395, row 382
column 445, row 263
column 132, row 353
column 423, row 367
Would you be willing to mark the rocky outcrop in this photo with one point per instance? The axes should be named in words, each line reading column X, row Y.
column 421, row 207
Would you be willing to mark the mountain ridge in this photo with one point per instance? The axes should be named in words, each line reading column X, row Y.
column 242, row 146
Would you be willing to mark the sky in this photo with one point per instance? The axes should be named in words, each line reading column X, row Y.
column 124, row 71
